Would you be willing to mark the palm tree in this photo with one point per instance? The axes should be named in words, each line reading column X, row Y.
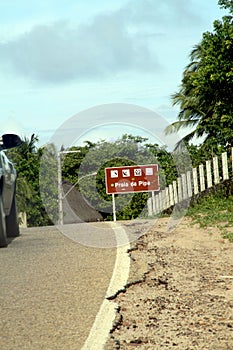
column 28, row 146
column 188, row 99
column 205, row 95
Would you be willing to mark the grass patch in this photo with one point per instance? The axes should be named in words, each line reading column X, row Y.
column 214, row 210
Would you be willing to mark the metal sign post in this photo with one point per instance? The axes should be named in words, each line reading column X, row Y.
column 113, row 207
column 60, row 205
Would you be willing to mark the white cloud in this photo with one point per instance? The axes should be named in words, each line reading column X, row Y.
column 59, row 52
column 111, row 43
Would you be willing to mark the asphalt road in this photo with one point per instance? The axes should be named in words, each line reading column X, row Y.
column 51, row 290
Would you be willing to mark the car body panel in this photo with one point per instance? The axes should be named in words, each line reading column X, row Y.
column 9, row 226
column 8, row 181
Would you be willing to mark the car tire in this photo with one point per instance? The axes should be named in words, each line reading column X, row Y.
column 3, row 236
column 12, row 225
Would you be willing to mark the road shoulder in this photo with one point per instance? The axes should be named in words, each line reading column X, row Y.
column 179, row 293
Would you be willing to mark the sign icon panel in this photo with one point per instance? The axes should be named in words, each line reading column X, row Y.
column 149, row 171
column 137, row 172
column 126, row 173
column 114, row 173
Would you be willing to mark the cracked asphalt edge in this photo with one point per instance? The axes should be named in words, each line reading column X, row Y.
column 105, row 318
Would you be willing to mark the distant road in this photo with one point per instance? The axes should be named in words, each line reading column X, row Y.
column 51, row 290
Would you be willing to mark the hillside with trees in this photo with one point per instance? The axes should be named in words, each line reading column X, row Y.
column 37, row 169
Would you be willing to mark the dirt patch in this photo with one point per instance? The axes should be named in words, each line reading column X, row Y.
column 180, row 292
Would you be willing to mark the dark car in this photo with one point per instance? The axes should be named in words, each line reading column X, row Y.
column 9, row 226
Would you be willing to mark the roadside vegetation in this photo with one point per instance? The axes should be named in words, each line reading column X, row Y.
column 214, row 210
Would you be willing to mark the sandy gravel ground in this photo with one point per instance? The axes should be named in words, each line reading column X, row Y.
column 180, row 292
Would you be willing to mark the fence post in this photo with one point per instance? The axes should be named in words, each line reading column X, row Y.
column 225, row 173
column 202, row 177
column 189, row 184
column 216, row 170
column 22, row 219
column 157, row 204
column 195, row 181
column 184, row 186
column 175, row 192
column 160, row 201
column 180, row 196
column 171, row 195
column 149, row 206
column 163, row 199
column 208, row 174
column 167, row 205
column 153, row 201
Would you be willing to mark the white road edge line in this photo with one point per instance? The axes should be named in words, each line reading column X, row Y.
column 104, row 320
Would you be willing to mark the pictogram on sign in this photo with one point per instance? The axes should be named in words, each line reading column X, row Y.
column 114, row 173
column 138, row 172
column 126, row 172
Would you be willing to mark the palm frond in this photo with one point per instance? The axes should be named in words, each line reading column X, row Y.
column 176, row 126
column 185, row 139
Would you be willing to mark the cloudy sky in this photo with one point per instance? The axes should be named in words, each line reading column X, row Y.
column 59, row 57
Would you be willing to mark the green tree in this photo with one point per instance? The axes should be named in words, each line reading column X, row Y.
column 227, row 4
column 168, row 169
column 48, row 183
column 205, row 95
column 26, row 158
column 79, row 168
column 93, row 159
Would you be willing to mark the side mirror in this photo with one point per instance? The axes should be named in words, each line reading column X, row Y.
column 10, row 141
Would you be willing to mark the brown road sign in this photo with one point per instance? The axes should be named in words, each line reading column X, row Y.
column 129, row 179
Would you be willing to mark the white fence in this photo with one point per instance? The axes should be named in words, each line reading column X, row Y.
column 191, row 183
